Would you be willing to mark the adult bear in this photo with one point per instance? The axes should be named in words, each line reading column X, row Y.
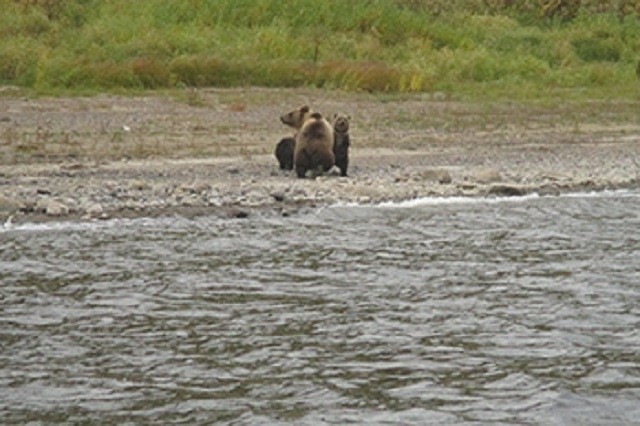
column 314, row 146
column 297, row 117
column 285, row 148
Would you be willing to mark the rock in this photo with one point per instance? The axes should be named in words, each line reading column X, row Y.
column 51, row 207
column 554, row 177
column 9, row 205
column 468, row 186
column 161, row 190
column 94, row 210
column 237, row 213
column 278, row 196
column 488, row 176
column 194, row 188
column 435, row 175
column 56, row 208
column 71, row 204
column 74, row 166
column 139, row 185
column 506, row 190
column 214, row 201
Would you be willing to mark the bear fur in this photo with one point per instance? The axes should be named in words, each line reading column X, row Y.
column 284, row 153
column 341, row 142
column 314, row 146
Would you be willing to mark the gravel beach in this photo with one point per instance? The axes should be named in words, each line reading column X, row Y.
column 210, row 151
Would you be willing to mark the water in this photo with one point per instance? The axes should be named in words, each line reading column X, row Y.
column 434, row 312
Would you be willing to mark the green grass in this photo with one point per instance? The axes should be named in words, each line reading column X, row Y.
column 468, row 48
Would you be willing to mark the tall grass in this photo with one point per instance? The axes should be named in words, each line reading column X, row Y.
column 374, row 45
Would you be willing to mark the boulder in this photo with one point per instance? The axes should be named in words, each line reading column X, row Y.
column 486, row 176
column 94, row 210
column 51, row 207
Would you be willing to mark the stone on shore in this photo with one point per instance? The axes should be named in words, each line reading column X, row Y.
column 440, row 176
column 194, row 188
column 51, row 207
column 94, row 210
column 488, row 175
column 507, row 190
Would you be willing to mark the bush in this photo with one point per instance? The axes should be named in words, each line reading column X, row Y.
column 150, row 72
column 18, row 60
column 592, row 49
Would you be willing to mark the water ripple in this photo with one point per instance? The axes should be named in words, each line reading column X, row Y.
column 508, row 311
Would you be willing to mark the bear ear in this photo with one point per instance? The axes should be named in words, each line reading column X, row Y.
column 334, row 116
column 305, row 108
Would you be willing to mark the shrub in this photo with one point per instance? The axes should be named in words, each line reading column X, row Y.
column 18, row 60
column 592, row 49
column 150, row 72
column 370, row 76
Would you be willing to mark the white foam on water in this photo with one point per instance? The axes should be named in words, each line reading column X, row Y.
column 427, row 201
column 443, row 200
column 55, row 226
column 9, row 226
column 77, row 225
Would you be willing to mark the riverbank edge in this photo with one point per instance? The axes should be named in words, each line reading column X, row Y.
column 79, row 192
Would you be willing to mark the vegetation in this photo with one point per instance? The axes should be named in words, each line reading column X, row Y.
column 509, row 48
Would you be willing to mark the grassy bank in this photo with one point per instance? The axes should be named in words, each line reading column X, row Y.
column 468, row 48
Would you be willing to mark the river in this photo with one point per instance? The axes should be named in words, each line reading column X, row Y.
column 433, row 311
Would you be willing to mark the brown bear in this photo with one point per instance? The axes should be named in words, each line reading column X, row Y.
column 314, row 146
column 297, row 117
column 284, row 153
column 341, row 142
column 285, row 148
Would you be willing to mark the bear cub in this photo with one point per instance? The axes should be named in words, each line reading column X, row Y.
column 284, row 153
column 341, row 142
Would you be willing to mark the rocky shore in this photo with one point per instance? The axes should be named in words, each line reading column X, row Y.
column 111, row 157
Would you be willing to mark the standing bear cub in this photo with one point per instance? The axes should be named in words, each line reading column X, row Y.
column 314, row 146
column 341, row 142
